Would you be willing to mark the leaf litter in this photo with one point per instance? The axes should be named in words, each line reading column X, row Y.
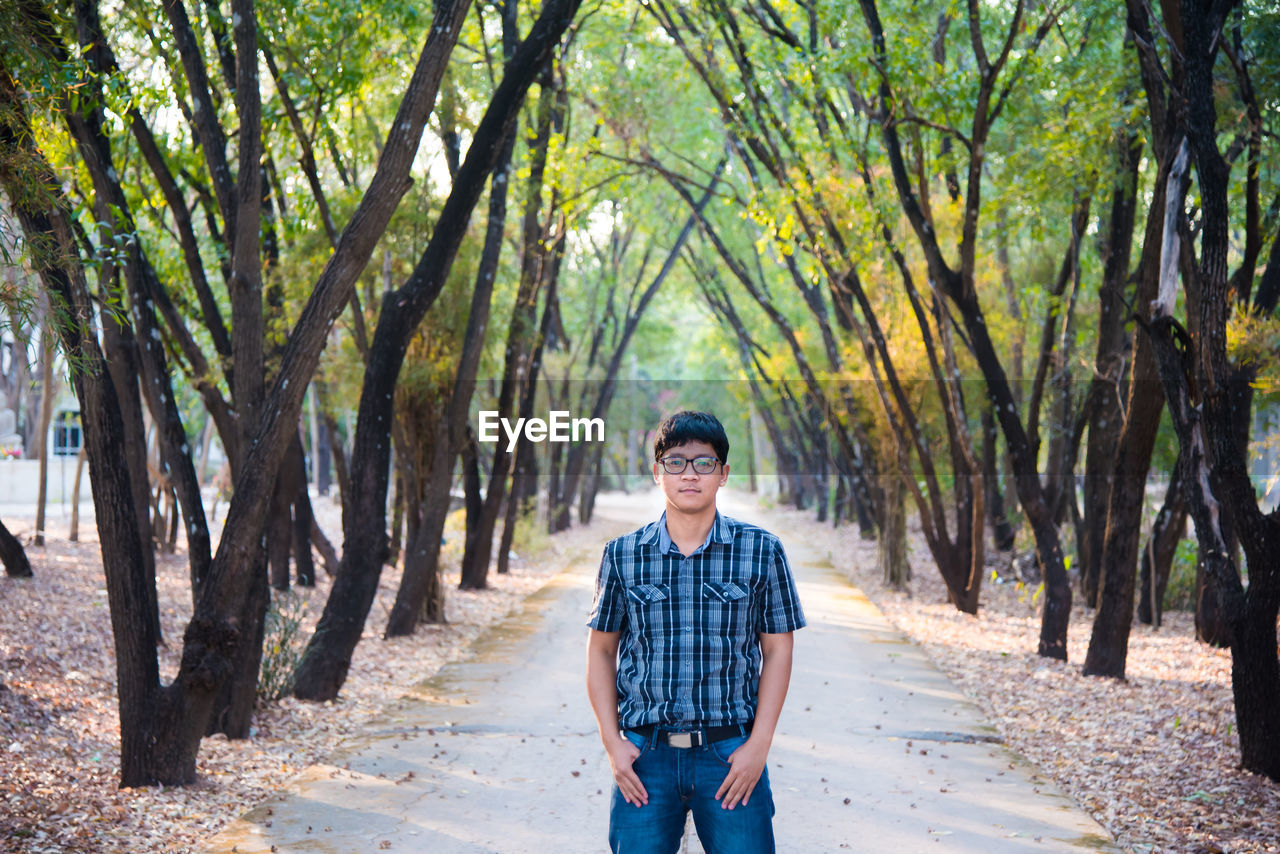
column 59, row 729
column 1154, row 758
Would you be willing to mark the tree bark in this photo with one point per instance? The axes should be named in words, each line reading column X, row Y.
column 1109, row 641
column 1157, row 557
column 74, row 534
column 473, row 489
column 1004, row 534
column 121, row 353
column 1107, row 389
column 304, row 523
column 145, row 708
column 1198, row 377
column 891, row 556
column 13, row 556
column 47, row 354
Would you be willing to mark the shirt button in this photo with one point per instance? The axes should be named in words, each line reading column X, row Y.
column 688, row 628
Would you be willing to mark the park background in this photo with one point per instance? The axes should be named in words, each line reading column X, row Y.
column 989, row 286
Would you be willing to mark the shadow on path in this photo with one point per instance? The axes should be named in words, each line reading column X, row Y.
column 876, row 749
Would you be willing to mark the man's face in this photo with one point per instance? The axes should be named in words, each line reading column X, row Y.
column 689, row 491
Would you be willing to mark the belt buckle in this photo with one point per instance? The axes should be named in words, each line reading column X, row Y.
column 680, row 739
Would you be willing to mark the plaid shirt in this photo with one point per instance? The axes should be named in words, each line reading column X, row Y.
column 690, row 651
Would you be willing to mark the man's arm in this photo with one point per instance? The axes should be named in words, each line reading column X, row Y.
column 602, row 691
column 748, row 760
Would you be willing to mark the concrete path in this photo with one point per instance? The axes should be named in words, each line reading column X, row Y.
column 876, row 750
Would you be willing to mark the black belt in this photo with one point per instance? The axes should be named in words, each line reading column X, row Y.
column 695, row 737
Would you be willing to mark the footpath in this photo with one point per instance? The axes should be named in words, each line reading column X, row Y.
column 497, row 754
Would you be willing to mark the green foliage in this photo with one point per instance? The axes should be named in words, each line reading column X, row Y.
column 1180, row 594
column 282, row 645
column 530, row 538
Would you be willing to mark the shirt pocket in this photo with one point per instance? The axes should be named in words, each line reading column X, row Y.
column 648, row 594
column 647, row 608
column 726, row 592
column 726, row 609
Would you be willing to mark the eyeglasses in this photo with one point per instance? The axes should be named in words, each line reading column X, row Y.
column 677, row 465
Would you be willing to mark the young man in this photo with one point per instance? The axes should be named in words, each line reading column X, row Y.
column 689, row 658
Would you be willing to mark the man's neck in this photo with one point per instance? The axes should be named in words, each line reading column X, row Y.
column 688, row 531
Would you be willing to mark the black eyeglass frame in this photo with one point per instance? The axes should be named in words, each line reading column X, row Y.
column 685, row 462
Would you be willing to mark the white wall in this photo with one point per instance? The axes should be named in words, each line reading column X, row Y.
column 20, row 481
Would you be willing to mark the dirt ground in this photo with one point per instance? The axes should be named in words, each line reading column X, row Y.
column 1154, row 758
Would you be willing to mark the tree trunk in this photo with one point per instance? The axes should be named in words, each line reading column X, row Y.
column 232, row 712
column 13, row 556
column 327, row 659
column 340, row 469
column 473, row 488
column 321, row 456
column 1157, row 558
column 1106, row 419
column 1213, row 624
column 280, row 528
column 122, row 365
column 1109, row 641
column 327, row 552
column 1003, row 533
column 515, row 506
column 46, row 416
column 74, row 535
column 1057, row 603
column 522, row 360
column 1197, row 376
column 144, row 708
column 891, row 556
column 421, row 595
column 1255, row 685
column 161, row 729
column 303, row 522
column 591, row 485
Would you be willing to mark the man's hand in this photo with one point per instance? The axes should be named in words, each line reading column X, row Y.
column 622, row 754
column 747, row 764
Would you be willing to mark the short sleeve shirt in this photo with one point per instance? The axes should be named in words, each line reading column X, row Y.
column 689, row 652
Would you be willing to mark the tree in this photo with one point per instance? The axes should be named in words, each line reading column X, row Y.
column 1194, row 362
column 161, row 726
column 328, row 655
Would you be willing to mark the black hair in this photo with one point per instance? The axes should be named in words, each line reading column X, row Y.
column 689, row 426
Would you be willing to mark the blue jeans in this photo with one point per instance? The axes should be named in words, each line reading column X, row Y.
column 682, row 779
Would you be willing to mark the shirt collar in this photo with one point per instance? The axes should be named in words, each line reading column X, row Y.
column 656, row 534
